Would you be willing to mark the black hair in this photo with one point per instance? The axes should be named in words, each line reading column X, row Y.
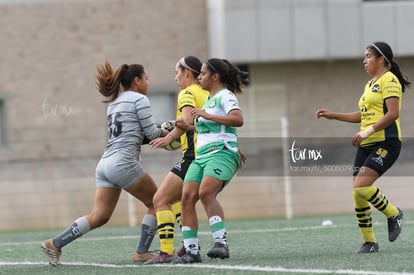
column 231, row 76
column 108, row 81
column 379, row 49
column 191, row 63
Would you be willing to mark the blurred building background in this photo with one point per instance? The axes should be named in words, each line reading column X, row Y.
column 301, row 55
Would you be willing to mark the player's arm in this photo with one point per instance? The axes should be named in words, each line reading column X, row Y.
column 176, row 132
column 354, row 117
column 144, row 111
column 392, row 114
column 233, row 118
column 187, row 118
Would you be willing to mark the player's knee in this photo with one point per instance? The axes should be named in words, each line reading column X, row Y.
column 207, row 197
column 189, row 198
column 159, row 200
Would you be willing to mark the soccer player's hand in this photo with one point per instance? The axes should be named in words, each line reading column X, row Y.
column 360, row 136
column 182, row 124
column 243, row 158
column 324, row 113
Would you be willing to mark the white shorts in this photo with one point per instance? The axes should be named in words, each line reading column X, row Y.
column 119, row 170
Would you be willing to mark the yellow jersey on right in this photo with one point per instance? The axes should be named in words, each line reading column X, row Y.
column 373, row 108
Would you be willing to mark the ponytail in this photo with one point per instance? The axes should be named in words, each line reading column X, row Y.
column 237, row 78
column 395, row 69
column 108, row 82
column 231, row 76
column 380, row 48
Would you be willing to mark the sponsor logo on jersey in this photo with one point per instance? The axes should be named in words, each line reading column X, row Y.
column 212, row 103
column 375, row 88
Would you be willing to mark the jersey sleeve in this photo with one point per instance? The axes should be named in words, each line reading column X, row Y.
column 392, row 87
column 145, row 118
column 229, row 102
column 185, row 98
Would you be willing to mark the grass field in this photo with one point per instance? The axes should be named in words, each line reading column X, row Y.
column 262, row 246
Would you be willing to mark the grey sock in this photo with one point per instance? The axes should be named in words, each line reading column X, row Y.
column 148, row 231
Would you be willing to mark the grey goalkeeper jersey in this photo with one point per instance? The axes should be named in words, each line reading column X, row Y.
column 129, row 120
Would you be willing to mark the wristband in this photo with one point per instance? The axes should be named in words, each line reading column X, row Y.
column 367, row 132
column 171, row 135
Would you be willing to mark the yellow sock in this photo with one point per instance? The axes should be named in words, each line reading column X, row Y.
column 165, row 219
column 374, row 195
column 364, row 219
column 176, row 209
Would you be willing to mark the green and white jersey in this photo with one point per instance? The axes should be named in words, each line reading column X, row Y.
column 212, row 136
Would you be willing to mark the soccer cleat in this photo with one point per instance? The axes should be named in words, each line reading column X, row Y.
column 142, row 257
column 187, row 258
column 394, row 226
column 52, row 252
column 162, row 258
column 181, row 251
column 368, row 247
column 219, row 250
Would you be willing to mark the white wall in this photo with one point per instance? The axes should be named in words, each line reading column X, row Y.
column 289, row 30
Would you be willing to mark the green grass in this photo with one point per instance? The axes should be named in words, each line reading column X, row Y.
column 271, row 246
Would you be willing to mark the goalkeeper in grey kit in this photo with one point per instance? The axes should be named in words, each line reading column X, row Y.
column 129, row 121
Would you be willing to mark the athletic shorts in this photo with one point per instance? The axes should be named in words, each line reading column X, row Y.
column 222, row 165
column 181, row 167
column 379, row 157
column 119, row 170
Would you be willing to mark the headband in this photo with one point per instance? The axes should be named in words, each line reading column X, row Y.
column 182, row 63
column 211, row 66
column 378, row 49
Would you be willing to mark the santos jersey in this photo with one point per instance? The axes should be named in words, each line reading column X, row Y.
column 373, row 107
column 129, row 120
column 212, row 136
column 195, row 97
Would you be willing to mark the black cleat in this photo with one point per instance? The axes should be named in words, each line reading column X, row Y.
column 394, row 226
column 187, row 258
column 219, row 250
column 368, row 247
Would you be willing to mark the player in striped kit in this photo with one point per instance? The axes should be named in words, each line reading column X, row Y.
column 167, row 199
column 129, row 122
column 217, row 159
column 378, row 141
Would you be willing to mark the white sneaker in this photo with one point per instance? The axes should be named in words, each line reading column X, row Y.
column 52, row 252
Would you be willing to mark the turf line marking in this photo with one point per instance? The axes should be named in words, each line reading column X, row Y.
column 220, row 267
column 271, row 230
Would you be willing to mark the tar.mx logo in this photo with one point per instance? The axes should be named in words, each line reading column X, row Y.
column 50, row 110
column 297, row 153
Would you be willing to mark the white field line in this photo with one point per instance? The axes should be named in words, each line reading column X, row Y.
column 221, row 267
column 218, row 267
column 270, row 230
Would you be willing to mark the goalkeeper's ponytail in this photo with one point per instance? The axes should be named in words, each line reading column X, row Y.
column 109, row 81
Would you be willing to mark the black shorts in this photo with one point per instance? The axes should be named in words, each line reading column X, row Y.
column 181, row 167
column 379, row 156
